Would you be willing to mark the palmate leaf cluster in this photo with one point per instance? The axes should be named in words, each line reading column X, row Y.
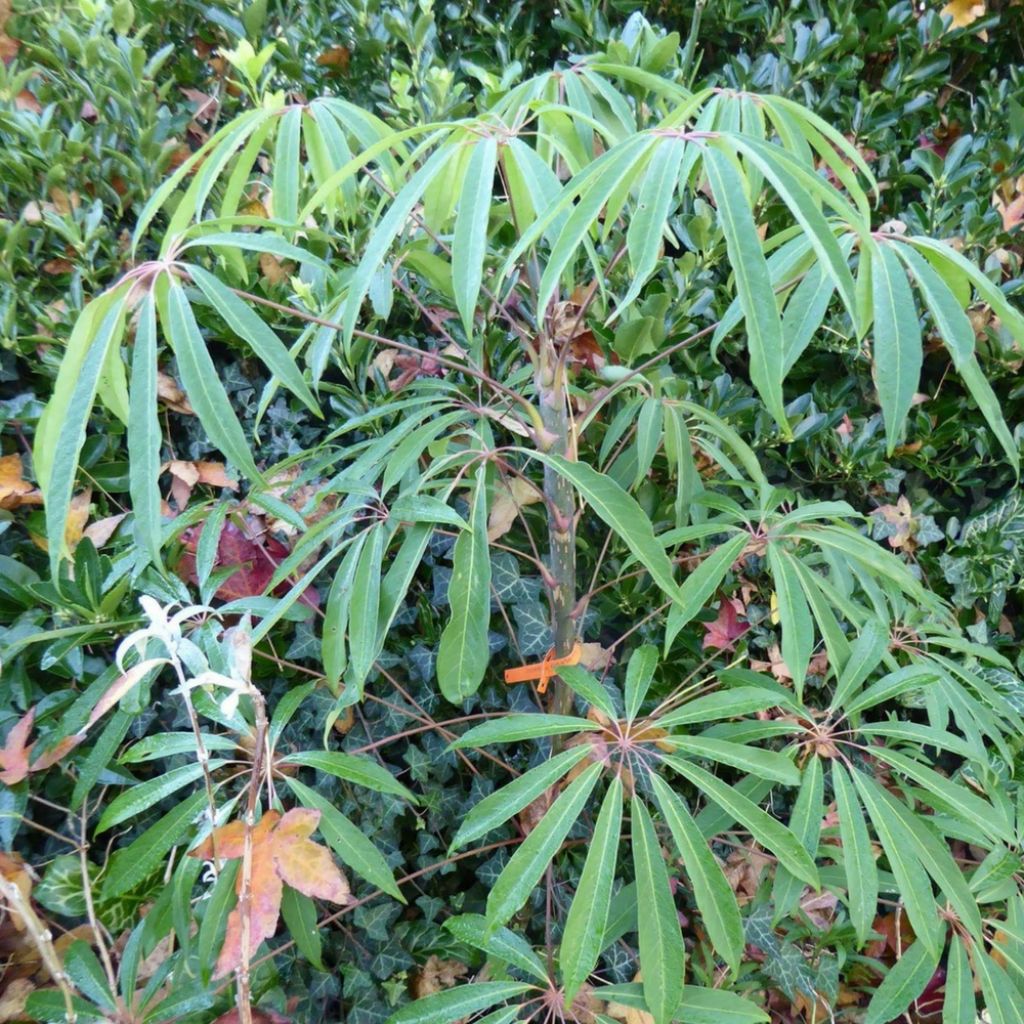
column 865, row 769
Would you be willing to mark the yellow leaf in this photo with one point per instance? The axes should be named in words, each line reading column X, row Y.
column 963, row 12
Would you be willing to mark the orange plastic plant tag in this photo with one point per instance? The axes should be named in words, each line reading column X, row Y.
column 543, row 670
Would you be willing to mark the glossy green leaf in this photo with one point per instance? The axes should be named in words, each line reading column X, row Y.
column 702, row 583
column 620, row 512
column 794, row 615
column 352, row 768
column 364, row 610
column 458, row 1003
column 253, row 330
column 904, row 862
column 133, row 864
column 805, row 822
column 768, row 764
column 299, row 913
column 639, row 673
column 142, row 796
column 201, row 380
column 500, row 943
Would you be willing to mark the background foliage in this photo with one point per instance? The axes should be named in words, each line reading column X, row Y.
column 99, row 103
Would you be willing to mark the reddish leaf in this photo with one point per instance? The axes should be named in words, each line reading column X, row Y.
column 254, row 560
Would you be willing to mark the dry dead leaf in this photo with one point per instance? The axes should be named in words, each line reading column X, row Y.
column 510, row 495
column 102, row 530
column 273, row 269
column 629, row 1014
column 1008, row 199
column 336, row 58
column 282, row 853
column 15, row 490
column 15, row 995
column 186, row 475
column 594, row 657
column 26, row 100
column 16, row 871
column 436, row 974
column 168, row 392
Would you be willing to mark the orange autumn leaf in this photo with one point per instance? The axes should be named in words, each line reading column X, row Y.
column 16, row 755
column 282, row 854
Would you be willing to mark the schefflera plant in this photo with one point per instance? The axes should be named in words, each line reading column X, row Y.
column 535, row 218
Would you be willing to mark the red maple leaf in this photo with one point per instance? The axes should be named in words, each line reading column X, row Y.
column 726, row 628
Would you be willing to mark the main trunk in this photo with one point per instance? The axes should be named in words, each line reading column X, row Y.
column 561, row 509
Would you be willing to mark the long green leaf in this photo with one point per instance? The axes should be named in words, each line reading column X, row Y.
column 794, row 614
column 201, row 378
column 463, row 653
column 639, row 673
column 698, row 587
column 500, row 943
column 768, row 764
column 458, row 1003
column 134, row 863
column 254, row 330
column 469, row 244
column 662, row 954
column 364, row 610
column 905, row 981
column 958, row 1006
column 805, row 821
column 585, row 924
column 361, row 770
column 144, row 795
column 521, row 874
column 764, row 828
column 144, row 437
column 74, row 417
column 897, row 345
column 498, row 807
column 715, row 898
column 958, row 336
column 620, row 512
column 866, row 653
column 514, row 727
column 861, row 871
column 904, row 862
column 753, row 282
